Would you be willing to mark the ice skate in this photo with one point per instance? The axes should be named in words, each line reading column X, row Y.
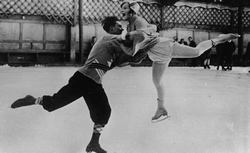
column 160, row 115
column 26, row 101
column 224, row 38
column 94, row 148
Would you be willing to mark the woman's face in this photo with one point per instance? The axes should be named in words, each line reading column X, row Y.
column 125, row 10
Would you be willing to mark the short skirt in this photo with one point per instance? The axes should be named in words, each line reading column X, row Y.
column 162, row 51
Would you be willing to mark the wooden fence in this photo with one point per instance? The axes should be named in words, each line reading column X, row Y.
column 46, row 31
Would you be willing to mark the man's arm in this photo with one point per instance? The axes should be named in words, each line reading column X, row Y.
column 150, row 31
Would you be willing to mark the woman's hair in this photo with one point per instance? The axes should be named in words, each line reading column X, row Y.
column 108, row 22
column 133, row 5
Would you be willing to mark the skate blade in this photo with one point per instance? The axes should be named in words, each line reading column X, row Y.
column 161, row 118
column 92, row 151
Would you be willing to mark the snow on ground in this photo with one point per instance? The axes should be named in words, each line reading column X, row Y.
column 209, row 112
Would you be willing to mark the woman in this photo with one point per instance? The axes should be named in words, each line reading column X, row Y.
column 206, row 58
column 162, row 52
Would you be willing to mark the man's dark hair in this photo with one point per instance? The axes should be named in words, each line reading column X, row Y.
column 109, row 21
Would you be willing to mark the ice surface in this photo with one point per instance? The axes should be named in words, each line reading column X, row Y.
column 209, row 112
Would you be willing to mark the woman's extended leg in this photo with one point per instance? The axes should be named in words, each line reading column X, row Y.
column 183, row 51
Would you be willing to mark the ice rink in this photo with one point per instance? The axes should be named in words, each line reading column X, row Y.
column 209, row 112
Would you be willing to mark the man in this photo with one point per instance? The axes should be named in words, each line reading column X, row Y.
column 194, row 61
column 230, row 49
column 220, row 49
column 183, row 42
column 247, row 55
column 87, row 83
column 191, row 42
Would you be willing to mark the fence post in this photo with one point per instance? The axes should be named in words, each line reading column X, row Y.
column 240, row 32
column 73, row 44
column 72, row 31
column 75, row 13
column 80, row 31
column 162, row 17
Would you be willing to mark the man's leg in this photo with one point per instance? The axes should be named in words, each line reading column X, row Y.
column 97, row 102
column 219, row 61
column 94, row 95
column 208, row 63
column 230, row 62
column 223, row 60
column 227, row 62
column 67, row 94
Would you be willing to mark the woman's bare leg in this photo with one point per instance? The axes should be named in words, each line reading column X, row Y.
column 183, row 51
column 180, row 51
column 158, row 74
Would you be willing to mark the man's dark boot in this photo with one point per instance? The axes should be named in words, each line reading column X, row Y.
column 94, row 145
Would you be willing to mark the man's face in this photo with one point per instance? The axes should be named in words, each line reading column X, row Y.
column 117, row 29
column 125, row 11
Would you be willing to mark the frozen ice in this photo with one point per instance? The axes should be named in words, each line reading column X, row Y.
column 209, row 112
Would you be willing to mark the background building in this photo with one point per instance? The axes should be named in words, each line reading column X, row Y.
column 47, row 31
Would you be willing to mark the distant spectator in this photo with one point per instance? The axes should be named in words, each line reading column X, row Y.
column 220, row 56
column 247, row 55
column 90, row 46
column 206, row 58
column 191, row 42
column 229, row 50
column 93, row 41
column 182, row 41
column 194, row 61
column 175, row 38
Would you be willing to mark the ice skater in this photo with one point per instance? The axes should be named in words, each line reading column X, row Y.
column 87, row 83
column 107, row 53
column 162, row 51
